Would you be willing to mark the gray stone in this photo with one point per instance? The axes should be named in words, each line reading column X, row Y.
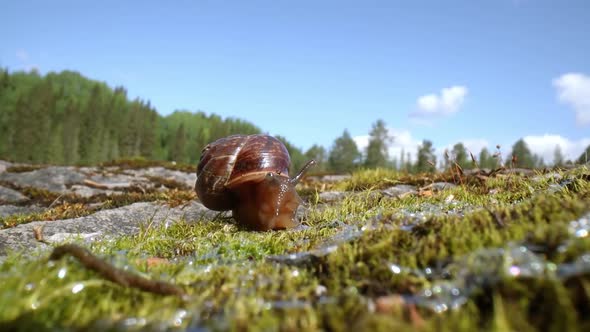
column 4, row 165
column 84, row 191
column 9, row 210
column 332, row 196
column 63, row 237
column 400, row 190
column 330, row 178
column 126, row 220
column 441, row 185
column 120, row 181
column 55, row 179
column 8, row 195
column 188, row 179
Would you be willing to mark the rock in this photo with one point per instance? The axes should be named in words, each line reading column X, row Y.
column 116, row 222
column 400, row 190
column 58, row 238
column 441, row 186
column 188, row 179
column 9, row 210
column 332, row 196
column 4, row 165
column 8, row 195
column 84, row 191
column 114, row 181
column 55, row 179
column 330, row 178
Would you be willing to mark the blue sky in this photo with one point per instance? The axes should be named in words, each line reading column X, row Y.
column 481, row 72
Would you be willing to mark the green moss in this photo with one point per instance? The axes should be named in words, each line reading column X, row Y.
column 337, row 273
column 61, row 211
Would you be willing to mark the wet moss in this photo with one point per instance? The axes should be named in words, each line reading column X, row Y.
column 362, row 264
column 61, row 211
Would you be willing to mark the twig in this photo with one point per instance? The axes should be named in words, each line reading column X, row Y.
column 38, row 233
column 111, row 273
column 55, row 201
column 95, row 185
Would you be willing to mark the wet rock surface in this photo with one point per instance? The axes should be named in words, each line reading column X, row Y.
column 121, row 221
column 91, row 185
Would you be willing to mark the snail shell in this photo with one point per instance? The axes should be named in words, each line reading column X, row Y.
column 249, row 174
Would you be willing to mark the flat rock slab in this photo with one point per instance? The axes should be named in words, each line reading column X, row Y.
column 332, row 196
column 116, row 222
column 400, row 190
column 91, row 181
column 188, row 179
column 330, row 178
column 55, row 179
column 10, row 196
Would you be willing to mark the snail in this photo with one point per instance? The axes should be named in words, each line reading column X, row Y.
column 249, row 175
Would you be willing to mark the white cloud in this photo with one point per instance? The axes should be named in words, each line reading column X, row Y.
column 573, row 89
column 25, row 60
column 448, row 101
column 22, row 55
column 545, row 145
column 402, row 140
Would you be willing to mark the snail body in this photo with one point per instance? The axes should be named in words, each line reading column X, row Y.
column 249, row 175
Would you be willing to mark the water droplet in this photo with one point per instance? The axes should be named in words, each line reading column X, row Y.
column 179, row 317
column 77, row 288
column 295, row 273
column 440, row 307
column 62, row 273
column 132, row 321
column 395, row 269
column 514, row 270
column 30, row 286
column 320, row 290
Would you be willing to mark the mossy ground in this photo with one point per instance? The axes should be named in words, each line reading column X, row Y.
column 353, row 267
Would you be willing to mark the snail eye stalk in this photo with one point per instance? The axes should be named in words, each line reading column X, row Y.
column 302, row 172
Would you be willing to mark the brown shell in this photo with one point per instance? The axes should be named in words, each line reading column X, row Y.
column 236, row 159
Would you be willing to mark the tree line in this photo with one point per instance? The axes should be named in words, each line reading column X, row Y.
column 345, row 155
column 66, row 118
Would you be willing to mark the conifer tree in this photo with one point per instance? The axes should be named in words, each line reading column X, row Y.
column 344, row 154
